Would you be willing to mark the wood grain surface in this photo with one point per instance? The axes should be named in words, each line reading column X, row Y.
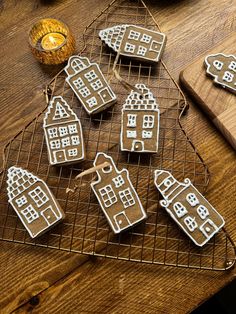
column 42, row 280
column 218, row 103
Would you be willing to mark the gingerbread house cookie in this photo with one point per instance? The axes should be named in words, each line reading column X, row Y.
column 89, row 84
column 140, row 122
column 223, row 69
column 134, row 42
column 33, row 202
column 117, row 196
column 63, row 133
column 189, row 209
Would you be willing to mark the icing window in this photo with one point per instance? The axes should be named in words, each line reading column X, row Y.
column 134, row 35
column 84, row 92
column 148, row 121
column 75, row 140
column 141, row 51
column 92, row 102
column 77, row 65
column 146, row 134
column 73, row 152
column 228, row 77
column 21, row 201
column 202, row 211
column 60, row 112
column 63, row 130
column 131, row 134
column 169, row 181
column 65, row 142
column 129, row 47
column 218, row 64
column 108, row 195
column 146, row 38
column 232, row 66
column 55, row 144
column 72, row 128
column 127, row 198
column 78, row 83
column 30, row 214
column 118, row 181
column 97, row 85
column 91, row 75
column 180, row 209
column 190, row 223
column 38, row 196
column 131, row 120
column 192, row 199
column 52, row 132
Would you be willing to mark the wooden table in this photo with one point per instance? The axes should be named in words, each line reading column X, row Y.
column 52, row 281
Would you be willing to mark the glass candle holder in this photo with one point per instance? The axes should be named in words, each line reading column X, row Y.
column 51, row 41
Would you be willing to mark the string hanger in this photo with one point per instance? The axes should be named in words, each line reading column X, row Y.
column 87, row 172
column 129, row 87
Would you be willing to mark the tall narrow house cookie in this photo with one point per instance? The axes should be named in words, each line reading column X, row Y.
column 116, row 195
column 223, row 69
column 140, row 122
column 33, row 202
column 134, row 42
column 63, row 133
column 89, row 84
column 189, row 209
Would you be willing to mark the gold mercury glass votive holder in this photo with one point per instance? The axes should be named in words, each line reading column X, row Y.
column 51, row 41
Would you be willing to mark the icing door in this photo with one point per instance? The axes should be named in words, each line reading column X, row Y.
column 122, row 221
column 137, row 146
column 49, row 215
column 59, row 156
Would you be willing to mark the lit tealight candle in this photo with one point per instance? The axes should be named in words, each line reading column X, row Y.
column 52, row 41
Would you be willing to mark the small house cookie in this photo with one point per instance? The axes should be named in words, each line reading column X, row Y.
column 189, row 209
column 63, row 133
column 134, row 42
column 223, row 69
column 116, row 195
column 33, row 202
column 89, row 84
column 140, row 122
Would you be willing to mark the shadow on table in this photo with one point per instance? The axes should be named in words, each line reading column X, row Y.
column 224, row 302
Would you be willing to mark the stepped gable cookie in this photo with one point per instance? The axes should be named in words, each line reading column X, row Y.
column 140, row 122
column 223, row 69
column 189, row 209
column 134, row 41
column 33, row 202
column 117, row 196
column 89, row 84
column 63, row 133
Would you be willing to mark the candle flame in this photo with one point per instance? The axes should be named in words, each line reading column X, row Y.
column 51, row 38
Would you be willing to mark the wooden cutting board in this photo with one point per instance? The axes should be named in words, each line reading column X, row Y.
column 218, row 103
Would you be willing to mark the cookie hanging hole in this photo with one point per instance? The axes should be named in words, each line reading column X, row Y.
column 107, row 169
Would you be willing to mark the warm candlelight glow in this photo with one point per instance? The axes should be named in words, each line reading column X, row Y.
column 52, row 41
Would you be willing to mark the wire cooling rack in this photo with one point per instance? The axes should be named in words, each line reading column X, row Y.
column 85, row 229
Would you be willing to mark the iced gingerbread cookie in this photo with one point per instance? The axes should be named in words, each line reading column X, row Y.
column 135, row 42
column 63, row 133
column 116, row 195
column 33, row 202
column 89, row 84
column 140, row 122
column 223, row 69
column 189, row 209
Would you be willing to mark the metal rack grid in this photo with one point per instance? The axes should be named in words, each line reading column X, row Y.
column 85, row 229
